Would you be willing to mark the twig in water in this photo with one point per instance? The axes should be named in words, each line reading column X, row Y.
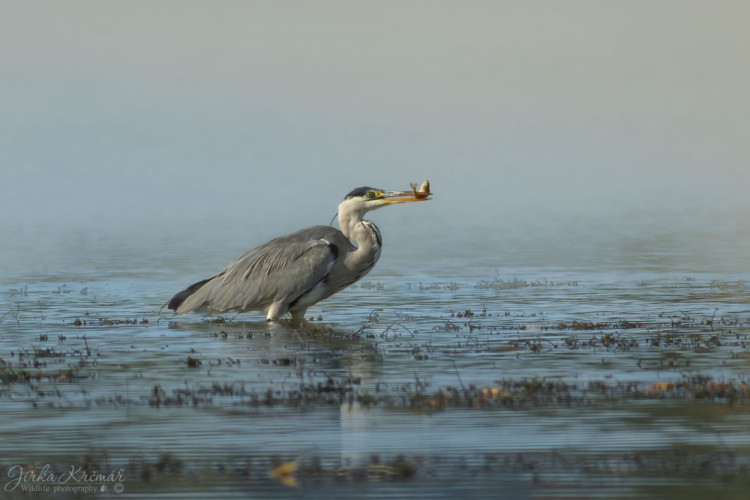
column 390, row 327
column 86, row 342
column 459, row 376
column 299, row 338
column 417, row 384
column 13, row 314
column 711, row 322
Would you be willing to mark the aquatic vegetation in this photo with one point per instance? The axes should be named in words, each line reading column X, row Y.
column 500, row 284
column 517, row 394
column 369, row 285
column 99, row 321
column 444, row 350
column 10, row 375
column 19, row 291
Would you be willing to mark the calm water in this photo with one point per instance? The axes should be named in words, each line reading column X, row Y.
column 548, row 357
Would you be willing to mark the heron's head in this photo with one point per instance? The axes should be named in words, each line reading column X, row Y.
column 364, row 199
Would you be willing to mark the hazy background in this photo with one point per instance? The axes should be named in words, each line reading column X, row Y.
column 258, row 116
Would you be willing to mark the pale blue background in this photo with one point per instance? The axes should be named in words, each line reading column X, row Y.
column 261, row 115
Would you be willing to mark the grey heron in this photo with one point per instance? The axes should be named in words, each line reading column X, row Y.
column 290, row 273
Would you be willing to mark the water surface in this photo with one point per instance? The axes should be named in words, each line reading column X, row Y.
column 553, row 356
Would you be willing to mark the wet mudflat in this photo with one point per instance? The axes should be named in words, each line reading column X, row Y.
column 622, row 377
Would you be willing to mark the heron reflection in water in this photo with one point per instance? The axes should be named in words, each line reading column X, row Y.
column 291, row 273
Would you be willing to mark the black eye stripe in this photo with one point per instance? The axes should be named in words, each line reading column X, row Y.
column 364, row 191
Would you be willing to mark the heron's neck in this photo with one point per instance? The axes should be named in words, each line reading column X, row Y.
column 365, row 235
column 362, row 232
column 348, row 219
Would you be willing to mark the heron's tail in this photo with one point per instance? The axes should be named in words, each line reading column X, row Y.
column 180, row 297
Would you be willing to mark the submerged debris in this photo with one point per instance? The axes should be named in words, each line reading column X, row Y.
column 166, row 469
column 519, row 394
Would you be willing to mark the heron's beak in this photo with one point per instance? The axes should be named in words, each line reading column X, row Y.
column 391, row 197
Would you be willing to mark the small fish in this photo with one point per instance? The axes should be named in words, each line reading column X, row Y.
column 423, row 191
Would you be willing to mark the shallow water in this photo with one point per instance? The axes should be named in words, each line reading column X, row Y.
column 551, row 357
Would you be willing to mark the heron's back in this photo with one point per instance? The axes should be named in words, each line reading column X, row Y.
column 282, row 270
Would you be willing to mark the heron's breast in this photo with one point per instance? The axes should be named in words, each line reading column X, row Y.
column 317, row 293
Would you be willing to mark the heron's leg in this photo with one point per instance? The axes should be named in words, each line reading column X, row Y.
column 275, row 310
column 298, row 315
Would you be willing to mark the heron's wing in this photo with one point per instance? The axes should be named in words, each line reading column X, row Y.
column 281, row 270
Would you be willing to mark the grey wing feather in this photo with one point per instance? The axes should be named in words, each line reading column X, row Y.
column 281, row 270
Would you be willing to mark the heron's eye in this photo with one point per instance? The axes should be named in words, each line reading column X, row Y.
column 371, row 194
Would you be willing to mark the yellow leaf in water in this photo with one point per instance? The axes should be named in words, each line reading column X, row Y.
column 660, row 387
column 494, row 392
column 284, row 473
